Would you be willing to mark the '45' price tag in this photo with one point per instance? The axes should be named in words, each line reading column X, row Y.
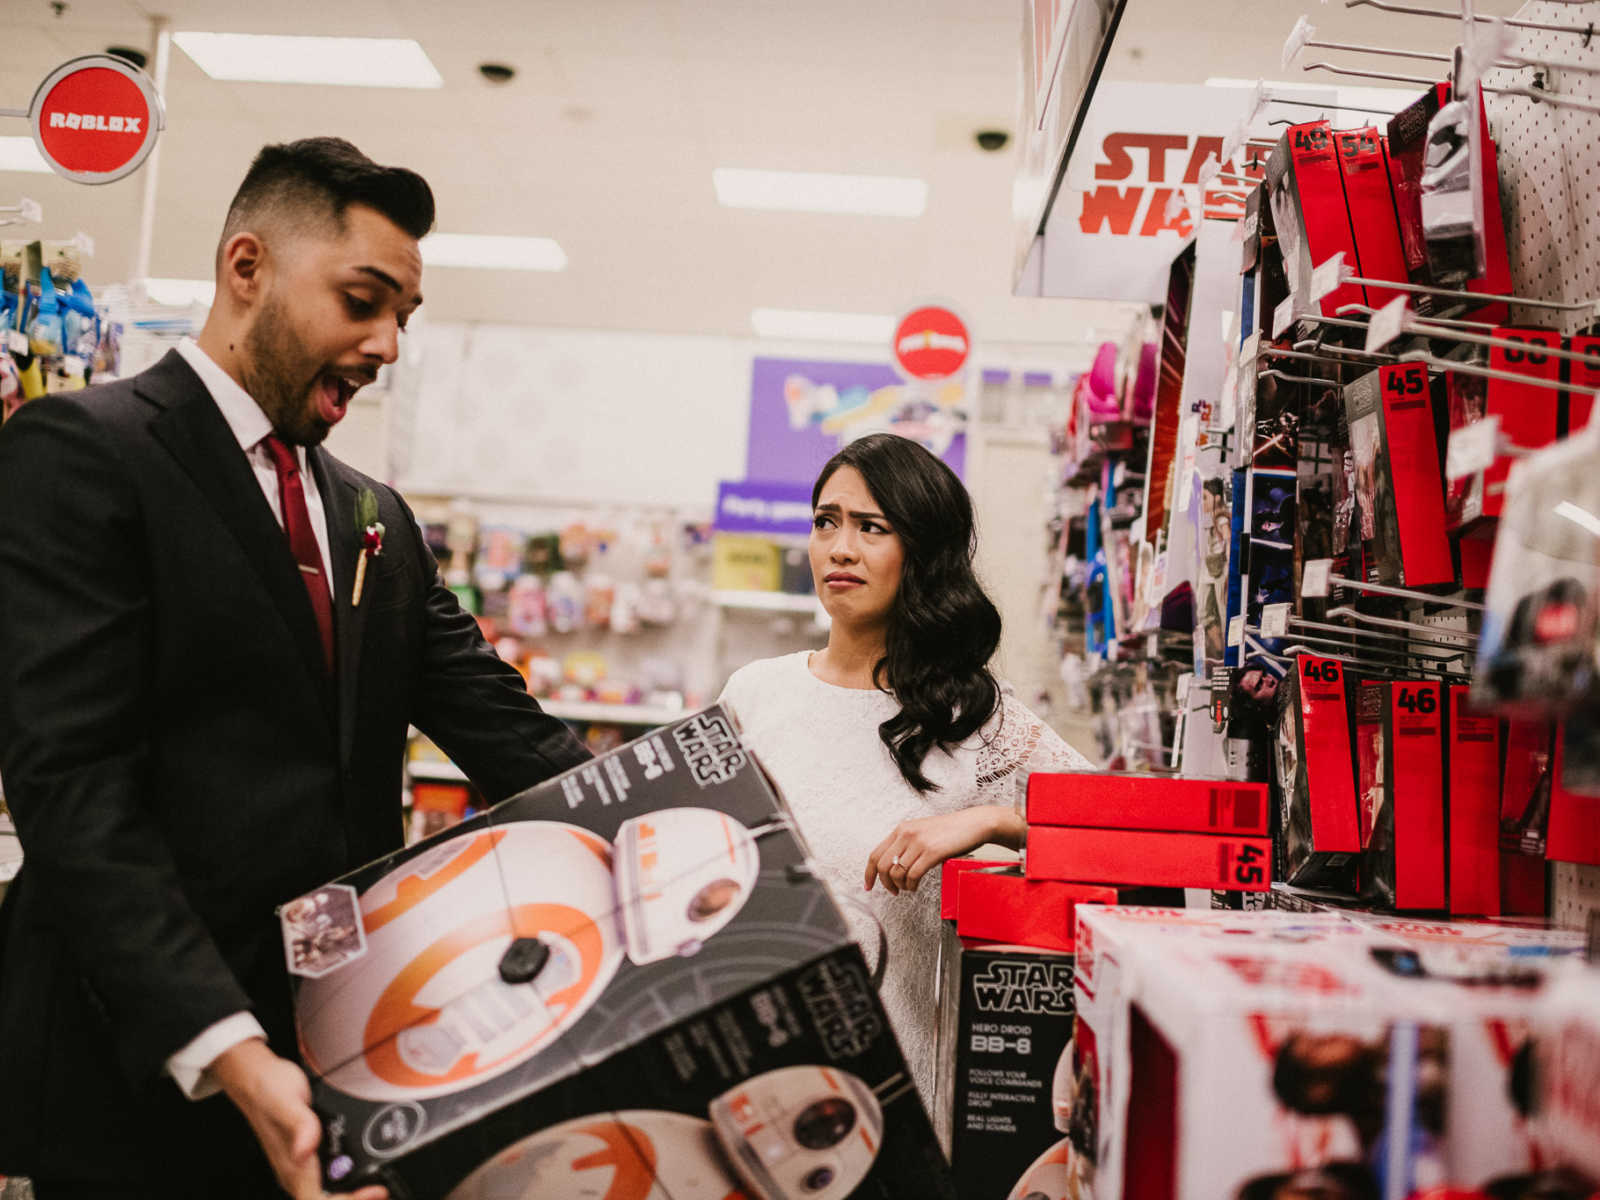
column 1249, row 866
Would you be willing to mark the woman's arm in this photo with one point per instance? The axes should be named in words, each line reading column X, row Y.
column 915, row 847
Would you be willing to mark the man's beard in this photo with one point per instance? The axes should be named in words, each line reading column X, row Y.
column 280, row 378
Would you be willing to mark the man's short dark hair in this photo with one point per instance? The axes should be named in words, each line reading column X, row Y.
column 316, row 179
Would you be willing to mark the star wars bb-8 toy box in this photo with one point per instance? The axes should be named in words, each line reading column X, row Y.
column 625, row 982
column 1360, row 1057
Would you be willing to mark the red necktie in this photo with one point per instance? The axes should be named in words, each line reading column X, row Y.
column 302, row 541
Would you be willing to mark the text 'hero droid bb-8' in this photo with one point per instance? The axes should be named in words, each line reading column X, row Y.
column 483, row 949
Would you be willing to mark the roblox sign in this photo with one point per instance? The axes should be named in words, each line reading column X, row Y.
column 96, row 119
column 1138, row 175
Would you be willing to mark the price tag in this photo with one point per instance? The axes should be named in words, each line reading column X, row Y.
column 1472, row 447
column 1250, row 349
column 1388, row 323
column 1152, row 646
column 1185, row 682
column 1209, row 170
column 1314, row 577
column 16, row 342
column 1236, row 631
column 1325, row 279
column 1283, row 317
column 1252, row 225
column 1275, row 620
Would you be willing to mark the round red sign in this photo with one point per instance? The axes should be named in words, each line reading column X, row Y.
column 931, row 343
column 95, row 119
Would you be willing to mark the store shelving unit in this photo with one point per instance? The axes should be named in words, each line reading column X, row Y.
column 770, row 602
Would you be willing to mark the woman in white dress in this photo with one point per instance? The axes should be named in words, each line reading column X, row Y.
column 895, row 745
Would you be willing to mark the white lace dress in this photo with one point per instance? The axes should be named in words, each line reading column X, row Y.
column 820, row 743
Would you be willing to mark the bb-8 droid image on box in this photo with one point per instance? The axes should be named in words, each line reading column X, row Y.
column 431, row 1007
column 799, row 1133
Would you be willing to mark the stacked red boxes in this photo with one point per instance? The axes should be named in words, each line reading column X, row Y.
column 1321, row 833
column 1529, row 412
column 1574, row 831
column 1580, row 405
column 1364, row 166
column 1400, row 751
column 1399, row 485
column 1472, row 755
column 1306, row 192
column 1145, row 831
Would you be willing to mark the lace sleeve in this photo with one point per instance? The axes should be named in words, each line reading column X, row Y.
column 1020, row 744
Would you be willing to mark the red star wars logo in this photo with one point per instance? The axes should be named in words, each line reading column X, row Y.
column 1142, row 171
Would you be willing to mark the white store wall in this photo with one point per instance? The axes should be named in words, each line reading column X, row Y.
column 558, row 416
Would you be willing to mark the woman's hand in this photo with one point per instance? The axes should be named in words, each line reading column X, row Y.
column 916, row 847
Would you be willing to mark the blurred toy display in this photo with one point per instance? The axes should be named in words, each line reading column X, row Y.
column 53, row 337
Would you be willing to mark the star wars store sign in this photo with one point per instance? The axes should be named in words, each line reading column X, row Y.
column 931, row 343
column 96, row 119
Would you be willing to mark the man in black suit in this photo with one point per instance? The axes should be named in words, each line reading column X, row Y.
column 200, row 716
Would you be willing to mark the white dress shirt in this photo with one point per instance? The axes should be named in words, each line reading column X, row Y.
column 190, row 1066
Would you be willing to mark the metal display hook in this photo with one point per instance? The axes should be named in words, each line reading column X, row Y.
column 1288, row 378
column 1382, row 589
column 1557, row 98
column 1377, row 635
column 23, row 212
column 1343, row 352
column 1591, row 305
column 1445, row 364
column 1410, row 324
column 1301, row 356
column 1584, row 32
column 1340, row 643
column 1368, row 310
column 1344, row 610
column 1304, row 34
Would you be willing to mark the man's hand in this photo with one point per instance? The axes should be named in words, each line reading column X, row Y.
column 275, row 1098
column 917, row 846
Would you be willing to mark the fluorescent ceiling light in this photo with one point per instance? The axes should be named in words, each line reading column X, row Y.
column 493, row 252
column 806, row 191
column 181, row 292
column 822, row 326
column 20, row 154
column 339, row 61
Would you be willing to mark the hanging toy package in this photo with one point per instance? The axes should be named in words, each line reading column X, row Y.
column 1537, row 654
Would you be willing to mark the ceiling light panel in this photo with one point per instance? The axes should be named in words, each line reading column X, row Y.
column 20, row 154
column 806, row 191
column 335, row 61
column 492, row 252
column 804, row 325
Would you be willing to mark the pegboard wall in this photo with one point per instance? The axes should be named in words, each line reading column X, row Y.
column 1550, row 165
column 1550, row 185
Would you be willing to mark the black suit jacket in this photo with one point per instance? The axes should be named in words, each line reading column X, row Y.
column 178, row 761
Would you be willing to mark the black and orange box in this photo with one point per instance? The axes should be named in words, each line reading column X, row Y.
column 1125, row 801
column 1400, row 757
column 1472, row 769
column 1145, row 859
column 1321, row 828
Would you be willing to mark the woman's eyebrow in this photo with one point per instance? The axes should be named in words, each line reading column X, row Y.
column 860, row 516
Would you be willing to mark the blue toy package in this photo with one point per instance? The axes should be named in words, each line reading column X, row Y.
column 80, row 323
column 1238, row 545
column 45, row 334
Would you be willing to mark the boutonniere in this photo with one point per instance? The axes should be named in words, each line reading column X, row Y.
column 370, row 530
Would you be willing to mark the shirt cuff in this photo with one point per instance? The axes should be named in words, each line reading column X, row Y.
column 190, row 1067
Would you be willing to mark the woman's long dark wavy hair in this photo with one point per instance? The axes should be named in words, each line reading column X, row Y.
column 943, row 629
